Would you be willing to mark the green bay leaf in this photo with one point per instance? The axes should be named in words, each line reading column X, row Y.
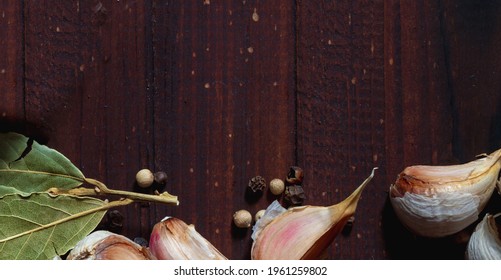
column 11, row 190
column 41, row 226
column 26, row 166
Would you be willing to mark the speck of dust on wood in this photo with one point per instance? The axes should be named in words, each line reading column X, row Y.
column 255, row 16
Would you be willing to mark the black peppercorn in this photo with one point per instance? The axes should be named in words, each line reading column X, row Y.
column 115, row 220
column 257, row 184
column 294, row 195
column 160, row 177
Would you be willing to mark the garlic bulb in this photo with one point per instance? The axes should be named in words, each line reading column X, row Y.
column 173, row 239
column 436, row 201
column 485, row 242
column 302, row 232
column 105, row 245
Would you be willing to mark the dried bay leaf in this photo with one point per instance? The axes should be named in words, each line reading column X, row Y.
column 41, row 226
column 43, row 211
column 27, row 167
column 11, row 190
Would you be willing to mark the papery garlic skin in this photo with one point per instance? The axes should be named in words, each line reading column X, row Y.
column 173, row 239
column 437, row 201
column 292, row 234
column 302, row 232
column 105, row 245
column 484, row 243
column 436, row 216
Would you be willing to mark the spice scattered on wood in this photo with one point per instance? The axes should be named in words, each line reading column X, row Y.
column 144, row 178
column 294, row 195
column 277, row 186
column 295, row 175
column 257, row 184
column 242, row 218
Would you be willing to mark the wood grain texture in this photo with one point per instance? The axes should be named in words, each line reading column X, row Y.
column 224, row 108
column 202, row 91
column 472, row 36
column 341, row 113
column 419, row 124
column 427, row 120
column 11, row 65
column 85, row 83
column 217, row 92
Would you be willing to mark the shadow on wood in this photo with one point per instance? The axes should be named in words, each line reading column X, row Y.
column 37, row 132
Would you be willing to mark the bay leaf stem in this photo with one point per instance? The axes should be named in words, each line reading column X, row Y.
column 164, row 197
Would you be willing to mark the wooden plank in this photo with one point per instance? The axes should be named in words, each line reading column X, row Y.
column 86, row 83
column 117, row 119
column 115, row 99
column 349, row 122
column 52, row 72
column 208, row 92
column 341, row 113
column 434, row 54
column 427, row 131
column 419, row 120
column 11, row 67
column 224, row 108
column 472, row 34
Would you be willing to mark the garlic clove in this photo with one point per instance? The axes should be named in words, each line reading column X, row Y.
column 485, row 242
column 173, row 239
column 105, row 245
column 302, row 232
column 437, row 201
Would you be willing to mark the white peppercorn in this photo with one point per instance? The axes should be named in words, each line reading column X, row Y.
column 144, row 178
column 242, row 219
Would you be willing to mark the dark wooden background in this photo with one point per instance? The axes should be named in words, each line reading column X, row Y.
column 216, row 92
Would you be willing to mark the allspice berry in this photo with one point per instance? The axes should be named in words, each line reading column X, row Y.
column 295, row 175
column 277, row 186
column 144, row 178
column 259, row 214
column 242, row 219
